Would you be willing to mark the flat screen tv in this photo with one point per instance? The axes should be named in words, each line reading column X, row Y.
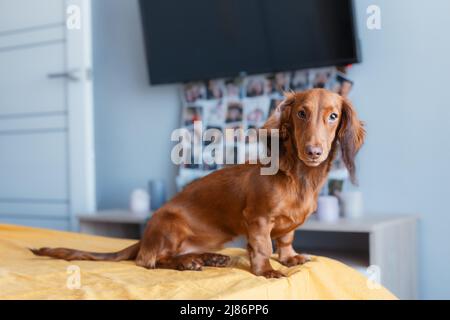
column 189, row 40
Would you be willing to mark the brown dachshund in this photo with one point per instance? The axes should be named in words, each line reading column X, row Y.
column 238, row 200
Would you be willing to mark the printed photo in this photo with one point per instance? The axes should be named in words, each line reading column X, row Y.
column 321, row 77
column 278, row 83
column 215, row 89
column 214, row 113
column 282, row 81
column 273, row 105
column 256, row 110
column 301, row 80
column 192, row 114
column 194, row 91
column 255, row 86
column 234, row 112
column 233, row 88
column 342, row 85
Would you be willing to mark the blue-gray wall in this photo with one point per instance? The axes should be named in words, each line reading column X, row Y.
column 402, row 91
column 133, row 121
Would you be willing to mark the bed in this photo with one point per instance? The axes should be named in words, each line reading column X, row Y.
column 24, row 276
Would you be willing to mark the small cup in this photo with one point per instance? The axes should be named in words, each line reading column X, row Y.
column 352, row 204
column 140, row 202
column 328, row 208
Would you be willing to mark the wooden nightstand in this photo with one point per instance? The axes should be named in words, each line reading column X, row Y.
column 114, row 223
column 385, row 243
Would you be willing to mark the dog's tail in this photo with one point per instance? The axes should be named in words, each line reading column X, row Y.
column 128, row 253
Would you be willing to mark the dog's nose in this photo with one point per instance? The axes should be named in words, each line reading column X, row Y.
column 314, row 151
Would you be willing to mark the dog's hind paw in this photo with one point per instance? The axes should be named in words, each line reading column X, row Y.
column 215, row 260
column 194, row 264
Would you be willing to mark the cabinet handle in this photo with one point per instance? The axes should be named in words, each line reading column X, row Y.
column 69, row 75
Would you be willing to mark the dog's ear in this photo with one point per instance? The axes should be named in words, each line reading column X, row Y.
column 351, row 137
column 280, row 115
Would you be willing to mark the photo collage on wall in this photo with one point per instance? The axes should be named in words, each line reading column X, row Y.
column 244, row 103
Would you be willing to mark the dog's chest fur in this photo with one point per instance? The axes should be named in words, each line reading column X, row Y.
column 297, row 205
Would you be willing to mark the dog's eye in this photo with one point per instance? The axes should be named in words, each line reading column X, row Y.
column 333, row 117
column 302, row 114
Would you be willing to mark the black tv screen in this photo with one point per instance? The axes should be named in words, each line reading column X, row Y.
column 188, row 40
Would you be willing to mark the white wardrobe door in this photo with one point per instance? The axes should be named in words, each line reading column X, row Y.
column 33, row 165
column 34, row 159
column 22, row 14
column 25, row 88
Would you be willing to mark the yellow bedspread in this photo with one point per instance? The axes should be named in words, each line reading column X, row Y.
column 24, row 276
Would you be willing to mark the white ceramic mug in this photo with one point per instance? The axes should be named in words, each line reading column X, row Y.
column 140, row 201
column 328, row 208
column 352, row 204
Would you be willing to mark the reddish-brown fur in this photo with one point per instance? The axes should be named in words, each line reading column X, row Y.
column 240, row 201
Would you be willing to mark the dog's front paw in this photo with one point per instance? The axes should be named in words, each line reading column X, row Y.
column 296, row 260
column 271, row 274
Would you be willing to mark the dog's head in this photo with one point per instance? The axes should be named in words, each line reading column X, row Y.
column 312, row 121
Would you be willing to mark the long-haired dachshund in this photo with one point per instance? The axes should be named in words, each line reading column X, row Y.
column 238, row 200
